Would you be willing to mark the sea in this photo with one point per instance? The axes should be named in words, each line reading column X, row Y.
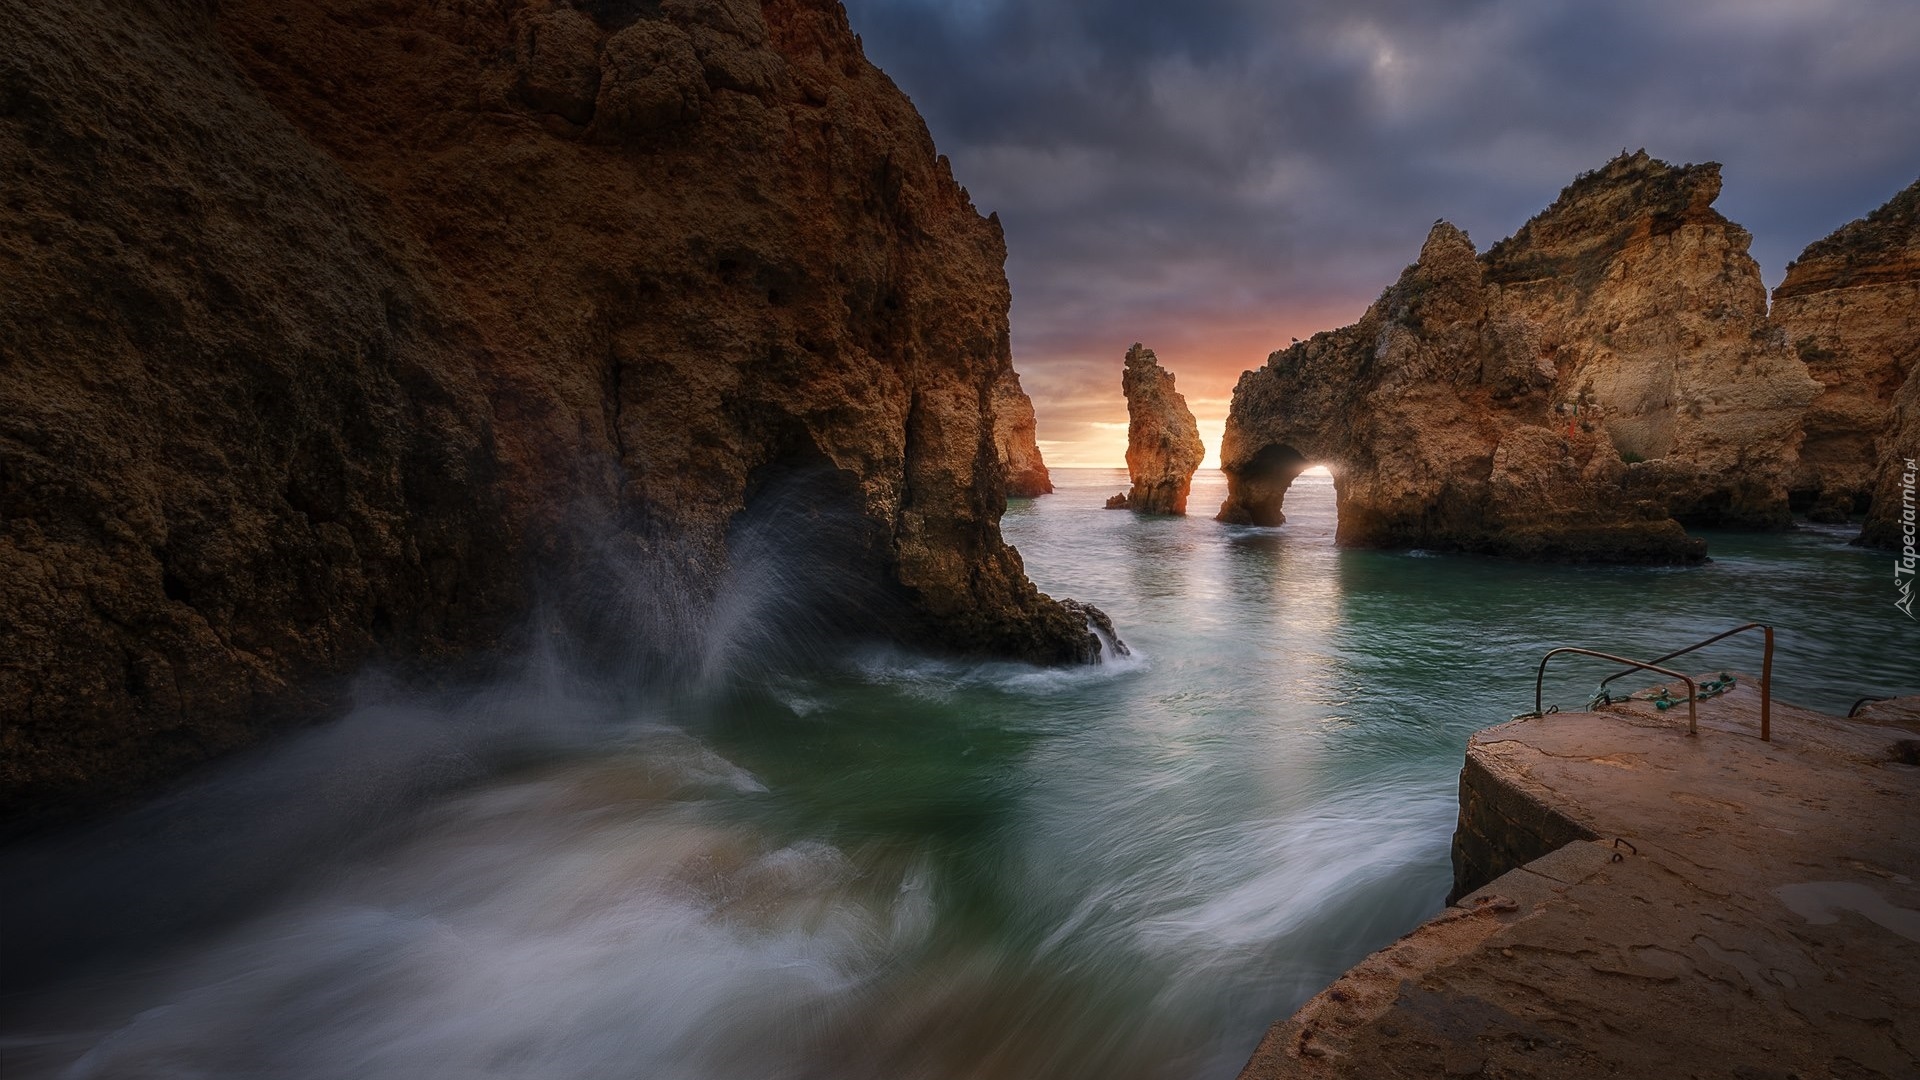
column 880, row 864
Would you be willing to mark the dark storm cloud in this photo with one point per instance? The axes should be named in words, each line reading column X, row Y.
column 1238, row 168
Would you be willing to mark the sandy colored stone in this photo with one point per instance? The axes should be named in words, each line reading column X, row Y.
column 1163, row 441
column 1579, row 391
column 1016, row 435
column 1850, row 305
column 1759, row 915
column 337, row 331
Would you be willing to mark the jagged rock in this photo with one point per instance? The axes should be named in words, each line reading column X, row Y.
column 1850, row 305
column 1016, row 435
column 1577, row 392
column 1100, row 624
column 325, row 331
column 1163, row 442
column 1117, row 502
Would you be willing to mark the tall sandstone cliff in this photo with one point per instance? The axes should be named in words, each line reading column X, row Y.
column 1577, row 392
column 1850, row 305
column 1163, row 441
column 323, row 325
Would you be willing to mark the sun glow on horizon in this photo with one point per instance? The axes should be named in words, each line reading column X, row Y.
column 1075, row 385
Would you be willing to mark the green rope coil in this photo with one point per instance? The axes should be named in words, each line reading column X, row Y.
column 1663, row 700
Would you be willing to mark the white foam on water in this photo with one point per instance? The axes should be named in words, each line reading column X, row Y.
column 940, row 679
column 571, row 925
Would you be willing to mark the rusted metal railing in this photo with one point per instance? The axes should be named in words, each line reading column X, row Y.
column 1693, row 711
column 1766, row 670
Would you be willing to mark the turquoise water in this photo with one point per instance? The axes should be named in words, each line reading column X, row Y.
column 905, row 867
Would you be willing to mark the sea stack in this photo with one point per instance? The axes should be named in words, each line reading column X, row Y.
column 1163, row 442
column 1016, row 435
column 1848, row 308
column 1582, row 391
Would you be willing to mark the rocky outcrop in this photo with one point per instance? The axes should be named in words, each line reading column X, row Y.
column 1850, row 306
column 1766, row 884
column 1503, row 825
column 327, row 325
column 1577, row 392
column 1163, row 442
column 1015, row 433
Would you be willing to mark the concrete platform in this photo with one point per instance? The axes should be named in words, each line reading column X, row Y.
column 1710, row 906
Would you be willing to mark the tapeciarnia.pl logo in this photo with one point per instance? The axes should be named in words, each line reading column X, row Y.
column 1903, row 567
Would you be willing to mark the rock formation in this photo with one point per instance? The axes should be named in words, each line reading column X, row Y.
column 1850, row 306
column 1893, row 521
column 1016, row 435
column 1163, row 442
column 327, row 324
column 1577, row 392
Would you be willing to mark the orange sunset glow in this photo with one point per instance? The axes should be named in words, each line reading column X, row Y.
column 1076, row 389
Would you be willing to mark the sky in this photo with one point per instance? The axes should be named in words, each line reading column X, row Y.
column 1216, row 177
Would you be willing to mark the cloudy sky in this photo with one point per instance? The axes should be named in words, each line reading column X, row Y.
column 1215, row 177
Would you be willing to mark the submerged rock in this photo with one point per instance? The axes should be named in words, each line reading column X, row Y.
column 1848, row 306
column 332, row 328
column 1577, row 392
column 1163, row 442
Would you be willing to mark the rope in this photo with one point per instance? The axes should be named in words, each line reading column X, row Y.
column 1663, row 700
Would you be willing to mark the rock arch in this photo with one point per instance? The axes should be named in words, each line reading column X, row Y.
column 1507, row 402
column 1257, row 489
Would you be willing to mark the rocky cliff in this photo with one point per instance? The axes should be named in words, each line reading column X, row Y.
column 1850, row 306
column 1577, row 392
column 327, row 325
column 1016, row 434
column 1163, row 442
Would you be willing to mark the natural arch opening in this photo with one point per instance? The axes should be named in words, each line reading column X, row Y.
column 1257, row 490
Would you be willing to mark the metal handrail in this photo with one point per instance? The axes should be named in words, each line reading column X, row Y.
column 1693, row 712
column 1766, row 671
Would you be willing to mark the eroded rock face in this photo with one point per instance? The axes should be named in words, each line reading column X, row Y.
column 328, row 324
column 1576, row 392
column 1893, row 521
column 1850, row 306
column 1163, row 442
column 1016, row 434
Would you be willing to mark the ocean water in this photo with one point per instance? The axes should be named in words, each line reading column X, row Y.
column 886, row 866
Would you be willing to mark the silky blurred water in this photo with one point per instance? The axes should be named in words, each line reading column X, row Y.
column 894, row 867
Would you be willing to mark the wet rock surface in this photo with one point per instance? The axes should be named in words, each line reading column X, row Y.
column 1163, row 441
column 1579, row 391
column 336, row 331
